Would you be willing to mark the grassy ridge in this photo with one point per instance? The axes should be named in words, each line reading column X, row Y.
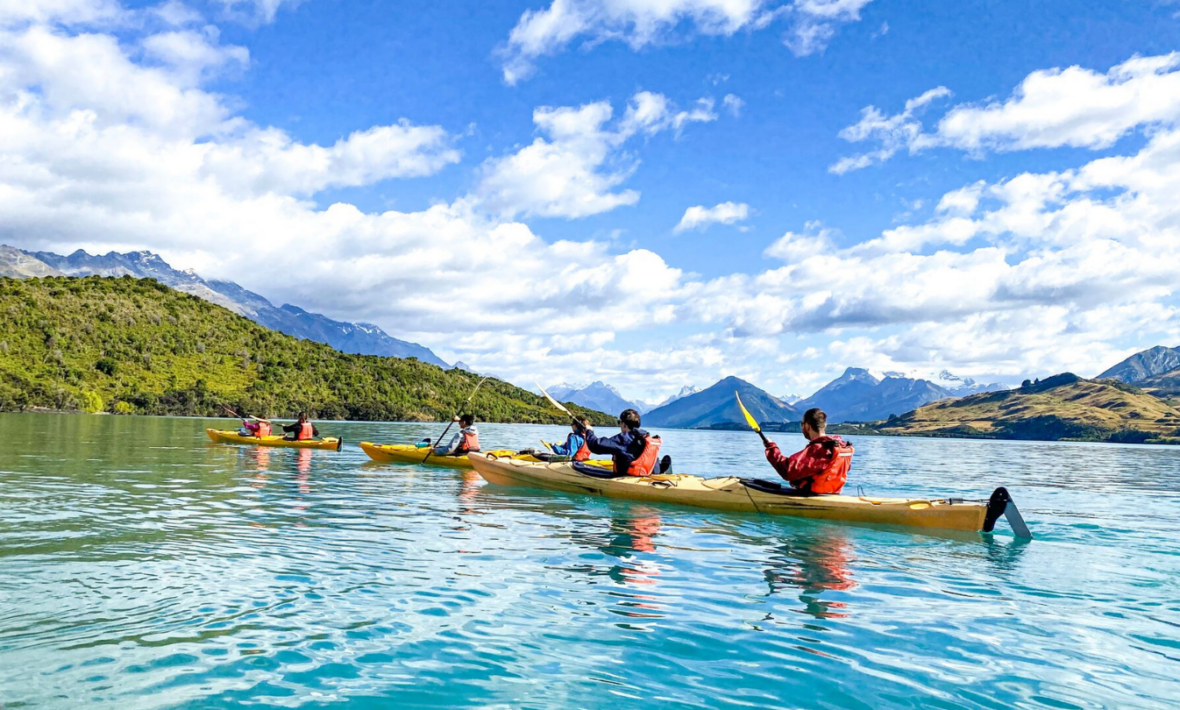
column 134, row 346
column 1063, row 407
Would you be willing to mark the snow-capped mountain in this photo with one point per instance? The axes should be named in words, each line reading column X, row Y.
column 685, row 391
column 596, row 395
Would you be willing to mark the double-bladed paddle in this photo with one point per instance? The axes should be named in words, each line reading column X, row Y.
column 450, row 423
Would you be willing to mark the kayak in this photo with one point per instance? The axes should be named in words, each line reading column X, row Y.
column 328, row 443
column 731, row 493
column 408, row 453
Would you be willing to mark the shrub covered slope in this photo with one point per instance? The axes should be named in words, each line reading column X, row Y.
column 134, row 346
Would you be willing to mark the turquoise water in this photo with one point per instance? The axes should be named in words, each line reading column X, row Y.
column 143, row 567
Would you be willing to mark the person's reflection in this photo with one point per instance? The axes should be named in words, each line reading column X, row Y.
column 303, row 471
column 629, row 538
column 260, row 462
column 815, row 564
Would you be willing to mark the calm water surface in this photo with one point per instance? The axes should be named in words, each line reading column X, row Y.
column 143, row 567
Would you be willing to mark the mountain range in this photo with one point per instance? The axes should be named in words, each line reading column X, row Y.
column 1060, row 407
column 716, row 405
column 1149, row 363
column 353, row 338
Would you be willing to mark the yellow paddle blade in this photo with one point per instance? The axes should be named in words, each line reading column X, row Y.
column 749, row 417
column 552, row 401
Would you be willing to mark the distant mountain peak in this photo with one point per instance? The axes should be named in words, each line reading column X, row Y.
column 1147, row 363
column 715, row 405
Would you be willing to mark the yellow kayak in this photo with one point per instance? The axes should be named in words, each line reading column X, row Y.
column 328, row 443
column 754, row 496
column 408, row 453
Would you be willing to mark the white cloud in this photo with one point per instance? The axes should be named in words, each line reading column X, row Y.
column 733, row 104
column 71, row 12
column 256, row 10
column 576, row 168
column 1072, row 107
column 892, row 132
column 640, row 23
column 194, row 57
column 700, row 217
column 815, row 23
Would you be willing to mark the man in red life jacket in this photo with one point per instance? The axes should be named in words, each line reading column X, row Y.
column 634, row 451
column 822, row 466
column 464, row 442
column 301, row 430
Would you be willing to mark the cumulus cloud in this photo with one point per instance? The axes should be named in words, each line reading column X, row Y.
column 575, row 168
column 700, row 217
column 1054, row 108
column 640, row 23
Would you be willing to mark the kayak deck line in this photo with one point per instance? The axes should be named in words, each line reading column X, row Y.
column 328, row 443
column 730, row 493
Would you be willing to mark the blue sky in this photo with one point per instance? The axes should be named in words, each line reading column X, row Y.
column 469, row 176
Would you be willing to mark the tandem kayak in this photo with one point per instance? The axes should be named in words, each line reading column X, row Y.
column 328, row 443
column 748, row 495
column 408, row 453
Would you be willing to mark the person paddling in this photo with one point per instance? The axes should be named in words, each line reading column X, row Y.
column 822, row 466
column 575, row 444
column 253, row 426
column 465, row 441
column 634, row 451
column 301, row 430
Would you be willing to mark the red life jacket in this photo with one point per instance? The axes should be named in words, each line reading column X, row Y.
column 262, row 430
column 469, row 443
column 833, row 477
column 583, row 451
column 646, row 462
column 306, row 431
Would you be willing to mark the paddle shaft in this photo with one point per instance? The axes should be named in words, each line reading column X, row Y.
column 452, row 422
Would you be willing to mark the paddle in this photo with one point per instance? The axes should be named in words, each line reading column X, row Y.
column 452, row 422
column 557, row 404
column 232, row 413
column 751, row 420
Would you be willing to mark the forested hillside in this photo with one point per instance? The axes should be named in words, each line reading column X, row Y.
column 134, row 346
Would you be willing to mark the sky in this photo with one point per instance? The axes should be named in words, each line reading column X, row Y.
column 653, row 193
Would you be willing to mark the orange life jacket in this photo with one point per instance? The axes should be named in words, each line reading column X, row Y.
column 832, row 479
column 262, row 430
column 583, row 451
column 306, row 431
column 646, row 462
column 469, row 443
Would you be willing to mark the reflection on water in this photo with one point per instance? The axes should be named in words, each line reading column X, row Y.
column 812, row 566
column 143, row 567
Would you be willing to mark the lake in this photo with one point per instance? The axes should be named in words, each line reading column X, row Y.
column 142, row 566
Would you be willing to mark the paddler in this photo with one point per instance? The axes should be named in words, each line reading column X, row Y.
column 822, row 466
column 575, row 444
column 301, row 430
column 634, row 451
column 253, row 426
column 464, row 442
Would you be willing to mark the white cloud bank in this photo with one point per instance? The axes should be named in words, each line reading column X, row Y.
column 700, row 217
column 1054, row 108
column 639, row 23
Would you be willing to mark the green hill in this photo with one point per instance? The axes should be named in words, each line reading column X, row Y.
column 1063, row 407
column 134, row 346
